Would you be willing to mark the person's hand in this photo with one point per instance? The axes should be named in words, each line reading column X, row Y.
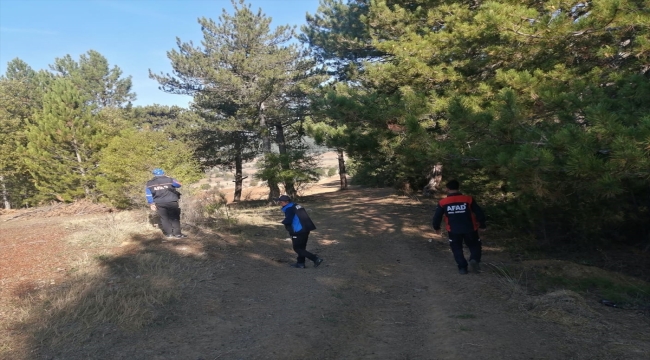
column 152, row 207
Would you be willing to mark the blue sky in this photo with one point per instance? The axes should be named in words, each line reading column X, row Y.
column 132, row 34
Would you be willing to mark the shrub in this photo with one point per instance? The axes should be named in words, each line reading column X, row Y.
column 203, row 207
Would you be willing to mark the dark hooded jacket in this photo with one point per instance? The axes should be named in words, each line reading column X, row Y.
column 162, row 189
column 461, row 214
column 296, row 220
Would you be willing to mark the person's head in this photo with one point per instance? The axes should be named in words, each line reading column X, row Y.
column 284, row 200
column 158, row 172
column 453, row 186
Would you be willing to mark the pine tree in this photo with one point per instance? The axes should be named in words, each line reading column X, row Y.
column 20, row 97
column 63, row 143
column 241, row 77
column 103, row 86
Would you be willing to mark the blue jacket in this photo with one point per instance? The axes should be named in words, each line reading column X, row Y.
column 296, row 219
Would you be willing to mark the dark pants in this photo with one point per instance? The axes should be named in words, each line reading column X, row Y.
column 299, row 242
column 170, row 217
column 472, row 241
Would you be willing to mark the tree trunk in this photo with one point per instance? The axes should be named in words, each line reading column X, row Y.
column 5, row 195
column 342, row 171
column 238, row 170
column 274, row 189
column 284, row 159
column 435, row 178
column 81, row 168
column 266, row 136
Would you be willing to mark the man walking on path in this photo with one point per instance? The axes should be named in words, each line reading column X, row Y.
column 463, row 217
column 162, row 197
column 298, row 224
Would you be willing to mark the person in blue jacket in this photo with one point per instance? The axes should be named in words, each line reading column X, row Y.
column 298, row 224
column 163, row 197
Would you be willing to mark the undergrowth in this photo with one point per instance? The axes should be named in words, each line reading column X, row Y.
column 623, row 294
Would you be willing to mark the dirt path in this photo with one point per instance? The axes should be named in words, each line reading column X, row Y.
column 383, row 292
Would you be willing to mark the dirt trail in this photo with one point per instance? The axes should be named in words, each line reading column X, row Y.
column 383, row 292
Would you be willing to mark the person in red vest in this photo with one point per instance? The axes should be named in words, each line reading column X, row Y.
column 464, row 218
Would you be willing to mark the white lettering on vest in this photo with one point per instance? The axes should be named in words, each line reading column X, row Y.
column 456, row 209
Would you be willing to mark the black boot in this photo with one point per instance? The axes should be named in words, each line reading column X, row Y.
column 317, row 261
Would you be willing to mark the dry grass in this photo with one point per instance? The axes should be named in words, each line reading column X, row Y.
column 107, row 230
column 104, row 288
column 120, row 278
column 102, row 297
column 514, row 282
column 560, row 292
column 564, row 307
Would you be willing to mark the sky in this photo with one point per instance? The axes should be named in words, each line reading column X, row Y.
column 135, row 35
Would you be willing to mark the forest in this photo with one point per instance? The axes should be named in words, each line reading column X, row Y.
column 540, row 108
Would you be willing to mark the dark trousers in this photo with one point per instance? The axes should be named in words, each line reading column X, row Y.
column 299, row 242
column 170, row 217
column 472, row 241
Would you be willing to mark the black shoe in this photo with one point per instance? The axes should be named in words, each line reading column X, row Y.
column 317, row 261
column 181, row 236
column 476, row 267
column 462, row 271
column 298, row 265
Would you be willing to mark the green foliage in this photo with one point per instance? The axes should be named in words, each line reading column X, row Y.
column 13, row 119
column 303, row 169
column 21, row 96
column 64, row 140
column 178, row 123
column 205, row 187
column 101, row 86
column 331, row 171
column 538, row 106
column 59, row 124
column 338, row 37
column 127, row 161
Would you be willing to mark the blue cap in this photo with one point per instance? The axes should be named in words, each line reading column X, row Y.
column 158, row 172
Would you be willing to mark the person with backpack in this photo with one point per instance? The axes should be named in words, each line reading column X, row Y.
column 298, row 224
column 163, row 197
column 464, row 218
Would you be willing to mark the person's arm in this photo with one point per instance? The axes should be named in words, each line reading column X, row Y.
column 149, row 197
column 480, row 216
column 289, row 214
column 176, row 184
column 437, row 218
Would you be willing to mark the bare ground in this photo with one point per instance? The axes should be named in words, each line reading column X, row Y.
column 383, row 292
